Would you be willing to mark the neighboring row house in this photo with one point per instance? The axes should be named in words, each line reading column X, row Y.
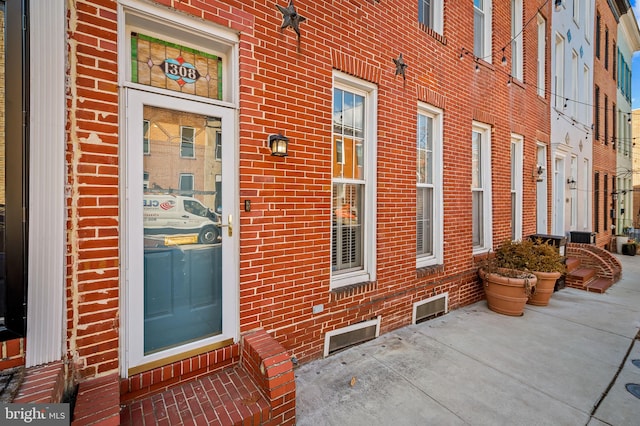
column 189, row 184
column 591, row 120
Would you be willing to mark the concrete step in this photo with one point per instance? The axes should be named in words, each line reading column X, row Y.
column 599, row 285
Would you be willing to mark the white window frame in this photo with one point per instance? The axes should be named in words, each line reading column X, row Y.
column 589, row 20
column 517, row 144
column 485, row 44
column 517, row 50
column 485, row 172
column 576, row 12
column 436, row 257
column 193, row 141
column 542, row 56
column 370, row 92
column 586, row 92
column 146, row 144
column 574, row 85
column 437, row 15
column 181, row 180
column 558, row 74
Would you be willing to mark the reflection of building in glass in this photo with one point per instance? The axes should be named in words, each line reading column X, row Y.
column 181, row 154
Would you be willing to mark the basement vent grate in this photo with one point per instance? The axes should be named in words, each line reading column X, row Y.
column 430, row 308
column 342, row 338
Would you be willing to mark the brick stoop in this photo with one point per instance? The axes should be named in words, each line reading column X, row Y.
column 42, row 384
column 580, row 277
column 591, row 268
column 98, row 402
column 227, row 397
column 599, row 285
column 257, row 389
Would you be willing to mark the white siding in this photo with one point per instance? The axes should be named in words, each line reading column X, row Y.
column 45, row 299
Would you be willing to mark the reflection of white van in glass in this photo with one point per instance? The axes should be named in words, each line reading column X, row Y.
column 175, row 214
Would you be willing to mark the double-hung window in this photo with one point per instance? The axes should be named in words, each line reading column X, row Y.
column 542, row 55
column 516, row 39
column 353, row 182
column 481, row 187
column 516, row 187
column 187, row 142
column 482, row 29
column 430, row 14
column 429, row 187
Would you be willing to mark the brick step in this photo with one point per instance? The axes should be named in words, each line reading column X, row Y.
column 41, row 385
column 572, row 263
column 98, row 402
column 227, row 397
column 581, row 276
column 599, row 285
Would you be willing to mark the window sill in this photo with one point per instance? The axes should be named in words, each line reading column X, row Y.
column 352, row 290
column 433, row 33
column 425, row 271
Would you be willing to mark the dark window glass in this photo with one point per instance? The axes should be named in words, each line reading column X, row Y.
column 13, row 169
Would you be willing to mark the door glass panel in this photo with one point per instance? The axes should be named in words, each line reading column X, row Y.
column 181, row 218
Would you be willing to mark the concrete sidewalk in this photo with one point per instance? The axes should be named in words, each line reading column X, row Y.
column 562, row 364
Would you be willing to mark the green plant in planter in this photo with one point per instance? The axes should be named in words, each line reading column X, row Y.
column 522, row 260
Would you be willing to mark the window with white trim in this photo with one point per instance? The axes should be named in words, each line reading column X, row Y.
column 516, row 187
column 574, row 85
column 542, row 55
column 588, row 20
column 187, row 142
column 586, row 90
column 516, row 39
column 146, row 149
column 576, row 12
column 482, row 29
column 481, row 187
column 353, row 183
column 186, row 184
column 429, row 187
column 430, row 14
column 559, row 73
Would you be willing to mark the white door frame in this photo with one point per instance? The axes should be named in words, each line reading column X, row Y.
column 132, row 291
column 559, row 194
column 541, row 189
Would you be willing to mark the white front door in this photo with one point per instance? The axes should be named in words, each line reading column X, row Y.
column 540, row 174
column 558, row 196
column 180, row 227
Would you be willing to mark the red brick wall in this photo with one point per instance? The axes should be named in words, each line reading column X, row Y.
column 286, row 87
column 92, row 188
column 604, row 154
column 12, row 353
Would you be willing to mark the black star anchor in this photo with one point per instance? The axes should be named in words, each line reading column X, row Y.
column 401, row 67
column 291, row 18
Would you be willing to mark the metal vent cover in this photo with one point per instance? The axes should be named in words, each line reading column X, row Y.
column 352, row 335
column 430, row 308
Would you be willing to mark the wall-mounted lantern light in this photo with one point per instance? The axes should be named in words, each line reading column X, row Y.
column 279, row 145
column 538, row 171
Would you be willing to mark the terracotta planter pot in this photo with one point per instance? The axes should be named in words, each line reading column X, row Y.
column 544, row 288
column 507, row 295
